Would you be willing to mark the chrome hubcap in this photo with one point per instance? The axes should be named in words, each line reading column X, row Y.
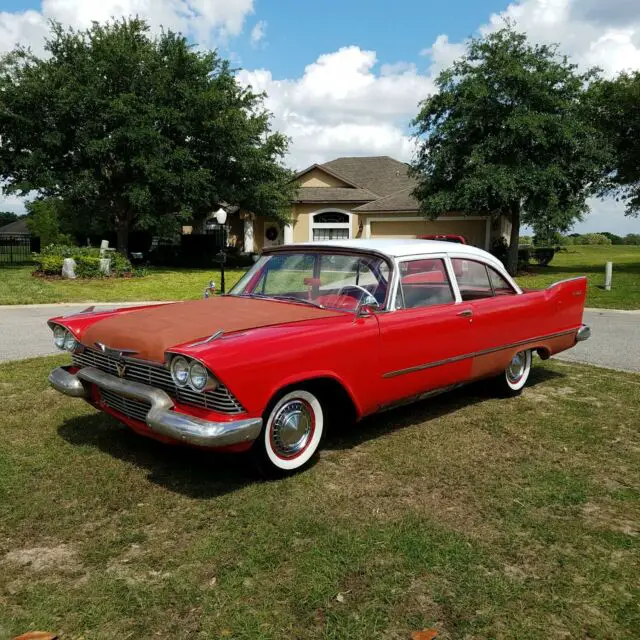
column 292, row 428
column 517, row 367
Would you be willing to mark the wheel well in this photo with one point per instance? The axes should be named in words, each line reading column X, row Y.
column 335, row 399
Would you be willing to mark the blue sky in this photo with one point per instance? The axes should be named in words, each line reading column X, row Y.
column 345, row 77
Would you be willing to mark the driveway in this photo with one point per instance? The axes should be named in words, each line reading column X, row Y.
column 614, row 342
column 24, row 332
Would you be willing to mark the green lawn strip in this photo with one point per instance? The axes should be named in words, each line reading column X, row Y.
column 483, row 517
column 590, row 261
column 18, row 286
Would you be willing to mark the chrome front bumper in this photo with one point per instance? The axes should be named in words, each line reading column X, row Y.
column 160, row 418
column 584, row 333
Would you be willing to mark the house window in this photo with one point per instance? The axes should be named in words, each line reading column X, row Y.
column 330, row 225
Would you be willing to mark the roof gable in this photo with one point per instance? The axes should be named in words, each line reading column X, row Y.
column 335, row 179
column 381, row 175
column 17, row 227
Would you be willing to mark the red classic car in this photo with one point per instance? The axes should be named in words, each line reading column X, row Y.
column 311, row 334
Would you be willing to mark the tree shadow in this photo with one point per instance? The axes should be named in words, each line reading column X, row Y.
column 203, row 474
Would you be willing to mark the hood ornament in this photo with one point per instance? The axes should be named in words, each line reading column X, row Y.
column 115, row 353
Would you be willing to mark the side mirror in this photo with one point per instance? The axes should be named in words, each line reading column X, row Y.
column 367, row 309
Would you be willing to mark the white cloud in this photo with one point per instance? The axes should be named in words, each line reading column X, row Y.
column 258, row 33
column 206, row 21
column 344, row 105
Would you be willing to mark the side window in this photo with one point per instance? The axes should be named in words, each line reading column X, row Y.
column 500, row 286
column 473, row 279
column 423, row 283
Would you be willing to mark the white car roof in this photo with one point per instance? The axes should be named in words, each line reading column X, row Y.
column 399, row 248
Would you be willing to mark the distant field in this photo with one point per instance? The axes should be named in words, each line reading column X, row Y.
column 589, row 261
column 17, row 286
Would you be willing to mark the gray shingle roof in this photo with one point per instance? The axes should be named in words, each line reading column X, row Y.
column 16, row 228
column 399, row 201
column 381, row 175
column 333, row 194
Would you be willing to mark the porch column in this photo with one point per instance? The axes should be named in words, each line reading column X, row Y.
column 249, row 246
column 288, row 234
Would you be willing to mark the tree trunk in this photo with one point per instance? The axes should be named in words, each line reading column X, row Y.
column 514, row 239
column 123, row 238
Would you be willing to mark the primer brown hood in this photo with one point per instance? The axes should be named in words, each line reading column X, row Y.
column 152, row 331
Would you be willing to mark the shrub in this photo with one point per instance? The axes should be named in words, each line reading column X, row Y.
column 524, row 257
column 592, row 239
column 632, row 238
column 500, row 249
column 543, row 255
column 87, row 259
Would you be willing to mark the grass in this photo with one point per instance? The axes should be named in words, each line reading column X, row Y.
column 590, row 261
column 480, row 517
column 17, row 286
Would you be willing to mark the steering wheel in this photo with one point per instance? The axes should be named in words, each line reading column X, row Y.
column 367, row 293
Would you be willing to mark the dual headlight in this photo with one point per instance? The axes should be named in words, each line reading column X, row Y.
column 64, row 339
column 191, row 373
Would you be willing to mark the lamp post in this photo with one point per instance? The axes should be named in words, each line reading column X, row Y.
column 221, row 218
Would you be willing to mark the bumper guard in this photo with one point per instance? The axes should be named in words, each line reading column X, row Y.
column 160, row 418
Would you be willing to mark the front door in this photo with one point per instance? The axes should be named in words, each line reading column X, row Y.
column 424, row 340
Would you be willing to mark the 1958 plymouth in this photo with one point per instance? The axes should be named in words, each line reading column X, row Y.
column 313, row 333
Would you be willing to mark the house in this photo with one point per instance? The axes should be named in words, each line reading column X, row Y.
column 359, row 197
column 16, row 229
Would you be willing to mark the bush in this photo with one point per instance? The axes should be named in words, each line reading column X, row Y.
column 51, row 258
column 500, row 249
column 543, row 255
column 524, row 257
column 592, row 239
column 613, row 237
column 632, row 238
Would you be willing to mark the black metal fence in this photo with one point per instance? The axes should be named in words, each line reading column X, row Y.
column 17, row 249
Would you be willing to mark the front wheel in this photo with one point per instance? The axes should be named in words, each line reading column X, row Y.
column 292, row 431
column 515, row 376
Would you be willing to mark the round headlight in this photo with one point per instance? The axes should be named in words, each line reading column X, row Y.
column 59, row 336
column 180, row 371
column 69, row 341
column 198, row 376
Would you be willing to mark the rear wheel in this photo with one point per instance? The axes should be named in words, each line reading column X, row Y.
column 515, row 376
column 291, row 435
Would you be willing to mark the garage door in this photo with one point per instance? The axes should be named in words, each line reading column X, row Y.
column 473, row 230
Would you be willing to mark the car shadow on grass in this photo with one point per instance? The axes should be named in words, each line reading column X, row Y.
column 205, row 475
column 386, row 422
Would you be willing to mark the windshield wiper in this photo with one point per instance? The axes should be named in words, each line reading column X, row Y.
column 294, row 299
column 275, row 296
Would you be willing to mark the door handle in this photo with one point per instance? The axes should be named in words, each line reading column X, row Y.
column 467, row 313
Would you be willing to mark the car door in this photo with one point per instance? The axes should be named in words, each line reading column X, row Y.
column 500, row 317
column 424, row 334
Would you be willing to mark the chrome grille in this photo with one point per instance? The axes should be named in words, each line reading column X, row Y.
column 127, row 406
column 220, row 399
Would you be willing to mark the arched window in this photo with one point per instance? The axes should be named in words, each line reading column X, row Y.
column 330, row 225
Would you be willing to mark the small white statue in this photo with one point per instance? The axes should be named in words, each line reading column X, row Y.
column 69, row 268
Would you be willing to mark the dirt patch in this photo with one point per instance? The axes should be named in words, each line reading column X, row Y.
column 40, row 559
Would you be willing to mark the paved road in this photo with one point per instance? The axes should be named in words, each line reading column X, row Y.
column 614, row 342
column 24, row 332
column 615, row 337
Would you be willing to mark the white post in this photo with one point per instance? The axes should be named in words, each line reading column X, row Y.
column 288, row 234
column 249, row 246
column 608, row 273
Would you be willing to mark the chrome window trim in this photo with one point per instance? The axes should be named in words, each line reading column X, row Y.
column 487, row 263
column 422, row 256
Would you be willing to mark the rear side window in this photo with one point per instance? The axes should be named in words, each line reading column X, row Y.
column 423, row 283
column 500, row 286
column 473, row 279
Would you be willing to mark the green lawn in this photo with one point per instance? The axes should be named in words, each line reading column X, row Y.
column 480, row 517
column 590, row 261
column 17, row 286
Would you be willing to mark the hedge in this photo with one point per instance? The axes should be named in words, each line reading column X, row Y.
column 50, row 260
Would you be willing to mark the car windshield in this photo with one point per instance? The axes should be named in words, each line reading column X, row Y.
column 330, row 280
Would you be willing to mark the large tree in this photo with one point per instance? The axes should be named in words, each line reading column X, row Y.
column 127, row 128
column 506, row 134
column 615, row 108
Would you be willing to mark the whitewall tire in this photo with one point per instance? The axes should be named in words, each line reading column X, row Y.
column 515, row 376
column 293, row 430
